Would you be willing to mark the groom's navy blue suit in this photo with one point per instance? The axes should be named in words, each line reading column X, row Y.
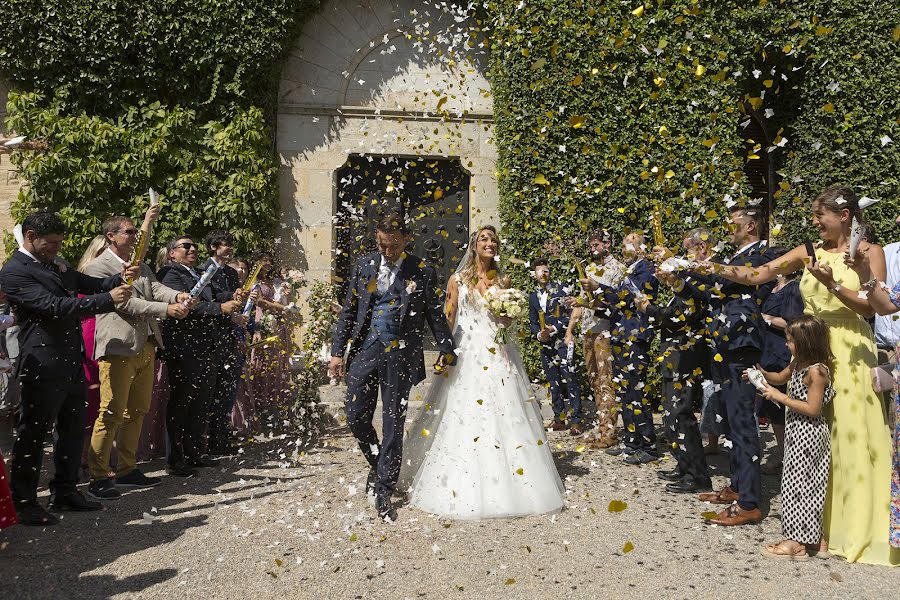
column 385, row 332
column 558, row 366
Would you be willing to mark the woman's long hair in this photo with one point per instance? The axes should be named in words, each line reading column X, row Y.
column 468, row 266
column 94, row 249
column 811, row 342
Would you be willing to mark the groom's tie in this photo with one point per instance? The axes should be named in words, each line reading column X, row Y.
column 384, row 276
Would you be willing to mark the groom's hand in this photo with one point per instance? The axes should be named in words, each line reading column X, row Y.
column 336, row 367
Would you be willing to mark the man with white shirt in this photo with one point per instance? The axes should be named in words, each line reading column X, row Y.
column 549, row 321
column 605, row 269
column 887, row 328
column 125, row 343
column 192, row 355
column 43, row 293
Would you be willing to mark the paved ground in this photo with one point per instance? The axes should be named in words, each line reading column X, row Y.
column 260, row 526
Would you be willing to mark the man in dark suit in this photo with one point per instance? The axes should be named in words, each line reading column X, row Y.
column 735, row 328
column 557, row 348
column 631, row 334
column 193, row 354
column 390, row 297
column 684, row 360
column 42, row 289
column 225, row 287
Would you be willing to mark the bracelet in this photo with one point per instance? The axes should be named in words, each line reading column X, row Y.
column 870, row 284
column 834, row 289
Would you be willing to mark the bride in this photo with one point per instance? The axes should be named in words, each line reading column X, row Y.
column 478, row 448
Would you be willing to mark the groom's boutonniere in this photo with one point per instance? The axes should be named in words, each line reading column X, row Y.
column 410, row 286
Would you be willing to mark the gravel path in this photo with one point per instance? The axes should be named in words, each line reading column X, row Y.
column 258, row 526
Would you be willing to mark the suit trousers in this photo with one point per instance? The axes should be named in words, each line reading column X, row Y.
column 43, row 404
column 191, row 383
column 630, row 367
column 126, row 387
column 598, row 359
column 371, row 370
column 228, row 376
column 682, row 430
column 738, row 398
column 563, row 379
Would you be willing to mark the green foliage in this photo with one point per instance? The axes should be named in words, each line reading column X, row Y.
column 605, row 108
column 209, row 174
column 841, row 120
column 100, row 55
column 320, row 302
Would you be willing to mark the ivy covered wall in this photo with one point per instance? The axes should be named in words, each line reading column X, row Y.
column 175, row 95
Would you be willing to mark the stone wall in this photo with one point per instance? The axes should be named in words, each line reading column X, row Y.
column 359, row 80
column 9, row 180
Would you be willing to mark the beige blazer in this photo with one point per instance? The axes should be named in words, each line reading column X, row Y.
column 125, row 332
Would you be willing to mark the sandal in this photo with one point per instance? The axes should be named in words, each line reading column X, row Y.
column 772, row 551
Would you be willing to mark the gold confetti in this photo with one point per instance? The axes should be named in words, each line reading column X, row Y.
column 616, row 506
column 425, row 432
column 639, row 11
column 580, row 448
column 628, row 547
column 520, row 471
column 708, row 515
column 510, row 581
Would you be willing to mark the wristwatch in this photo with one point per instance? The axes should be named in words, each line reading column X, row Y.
column 834, row 289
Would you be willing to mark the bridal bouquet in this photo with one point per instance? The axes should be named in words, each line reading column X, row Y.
column 505, row 302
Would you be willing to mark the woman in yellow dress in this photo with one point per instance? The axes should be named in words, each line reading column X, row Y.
column 857, row 505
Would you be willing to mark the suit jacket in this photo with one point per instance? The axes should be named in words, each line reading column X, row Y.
column 734, row 320
column 125, row 331
column 223, row 284
column 626, row 322
column 421, row 301
column 684, row 347
column 557, row 314
column 198, row 334
column 49, row 313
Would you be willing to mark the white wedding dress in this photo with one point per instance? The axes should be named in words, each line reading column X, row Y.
column 478, row 449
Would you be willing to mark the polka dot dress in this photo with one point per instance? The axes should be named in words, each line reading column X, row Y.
column 807, row 454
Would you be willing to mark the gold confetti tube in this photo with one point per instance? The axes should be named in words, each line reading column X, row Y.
column 659, row 239
column 541, row 319
column 269, row 340
column 138, row 252
column 581, row 275
column 251, row 279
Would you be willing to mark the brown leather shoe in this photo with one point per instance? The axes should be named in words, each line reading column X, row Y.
column 735, row 515
column 557, row 426
column 724, row 496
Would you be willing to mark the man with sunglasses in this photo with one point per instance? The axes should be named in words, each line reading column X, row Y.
column 125, row 343
column 193, row 354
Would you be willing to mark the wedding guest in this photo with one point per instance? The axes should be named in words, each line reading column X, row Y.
column 268, row 383
column 631, row 334
column 885, row 299
column 91, row 367
column 595, row 326
column 780, row 307
column 684, row 359
column 887, row 327
column 225, row 286
column 557, row 348
column 857, row 514
column 42, row 292
column 126, row 343
column 192, row 358
column 735, row 330
column 807, row 448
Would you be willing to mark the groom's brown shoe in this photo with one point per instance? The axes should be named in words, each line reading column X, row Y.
column 724, row 496
column 557, row 426
column 735, row 515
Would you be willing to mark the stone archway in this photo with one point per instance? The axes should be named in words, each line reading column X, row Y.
column 359, row 82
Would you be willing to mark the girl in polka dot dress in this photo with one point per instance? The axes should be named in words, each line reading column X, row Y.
column 807, row 443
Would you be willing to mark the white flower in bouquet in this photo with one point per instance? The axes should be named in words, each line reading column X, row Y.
column 505, row 302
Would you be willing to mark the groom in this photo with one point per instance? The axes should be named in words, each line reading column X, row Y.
column 389, row 297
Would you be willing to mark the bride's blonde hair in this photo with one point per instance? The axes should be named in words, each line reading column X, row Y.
column 468, row 266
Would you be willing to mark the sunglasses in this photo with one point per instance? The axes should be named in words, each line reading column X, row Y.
column 187, row 246
column 131, row 231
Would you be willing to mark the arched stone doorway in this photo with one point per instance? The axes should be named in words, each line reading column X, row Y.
column 359, row 82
